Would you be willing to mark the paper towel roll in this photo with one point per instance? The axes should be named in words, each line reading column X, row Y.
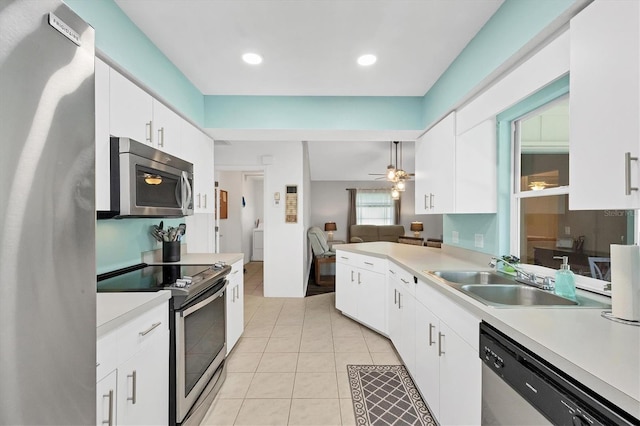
column 625, row 282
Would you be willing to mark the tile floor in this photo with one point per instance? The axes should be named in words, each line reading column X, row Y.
column 289, row 366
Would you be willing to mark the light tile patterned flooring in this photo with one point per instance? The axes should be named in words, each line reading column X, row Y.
column 289, row 366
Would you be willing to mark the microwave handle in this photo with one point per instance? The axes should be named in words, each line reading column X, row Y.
column 186, row 186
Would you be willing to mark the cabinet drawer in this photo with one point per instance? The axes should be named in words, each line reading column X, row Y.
column 138, row 332
column 106, row 354
column 370, row 263
column 346, row 257
column 402, row 277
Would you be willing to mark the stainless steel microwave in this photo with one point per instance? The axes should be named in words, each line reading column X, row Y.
column 146, row 182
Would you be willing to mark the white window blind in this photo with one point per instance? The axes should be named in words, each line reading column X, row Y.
column 374, row 207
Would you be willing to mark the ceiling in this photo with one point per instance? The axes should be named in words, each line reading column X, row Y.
column 310, row 48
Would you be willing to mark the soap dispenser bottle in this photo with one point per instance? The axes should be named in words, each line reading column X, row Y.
column 565, row 280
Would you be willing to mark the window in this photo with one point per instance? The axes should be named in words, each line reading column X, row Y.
column 540, row 208
column 374, row 207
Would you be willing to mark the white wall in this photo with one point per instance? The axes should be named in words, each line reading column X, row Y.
column 285, row 243
column 329, row 203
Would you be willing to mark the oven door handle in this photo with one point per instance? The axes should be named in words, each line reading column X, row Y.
column 205, row 302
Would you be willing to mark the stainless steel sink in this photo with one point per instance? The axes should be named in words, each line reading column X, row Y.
column 500, row 290
column 474, row 277
column 515, row 294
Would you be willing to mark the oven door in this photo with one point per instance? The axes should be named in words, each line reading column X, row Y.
column 200, row 346
column 151, row 188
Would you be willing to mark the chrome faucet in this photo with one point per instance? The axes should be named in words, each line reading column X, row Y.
column 525, row 277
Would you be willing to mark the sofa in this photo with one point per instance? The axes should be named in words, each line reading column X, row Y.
column 368, row 233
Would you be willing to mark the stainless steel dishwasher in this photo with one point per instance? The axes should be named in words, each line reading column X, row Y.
column 521, row 388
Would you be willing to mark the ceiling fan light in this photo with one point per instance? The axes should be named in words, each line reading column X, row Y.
column 401, row 186
column 391, row 173
column 395, row 194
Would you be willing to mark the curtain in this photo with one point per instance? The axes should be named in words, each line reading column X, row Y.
column 351, row 211
column 396, row 209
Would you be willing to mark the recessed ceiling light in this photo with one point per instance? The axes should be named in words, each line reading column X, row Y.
column 252, row 58
column 366, row 60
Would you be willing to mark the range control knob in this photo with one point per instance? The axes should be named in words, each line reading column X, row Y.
column 579, row 420
column 497, row 362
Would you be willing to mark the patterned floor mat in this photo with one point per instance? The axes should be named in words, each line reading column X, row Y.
column 385, row 395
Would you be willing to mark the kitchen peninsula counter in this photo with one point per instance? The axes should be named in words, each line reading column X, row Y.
column 601, row 354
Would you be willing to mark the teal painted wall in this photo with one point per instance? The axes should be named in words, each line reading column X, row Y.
column 120, row 242
column 497, row 227
column 119, row 38
column 514, row 24
column 313, row 112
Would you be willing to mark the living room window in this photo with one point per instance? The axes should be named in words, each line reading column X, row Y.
column 374, row 207
column 540, row 206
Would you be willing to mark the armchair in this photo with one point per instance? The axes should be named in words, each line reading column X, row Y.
column 322, row 255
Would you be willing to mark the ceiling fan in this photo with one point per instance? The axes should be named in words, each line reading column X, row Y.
column 395, row 173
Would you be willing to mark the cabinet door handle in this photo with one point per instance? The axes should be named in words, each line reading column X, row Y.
column 205, row 200
column 149, row 129
column 392, row 271
column 199, row 200
column 134, row 380
column 368, row 263
column 431, row 328
column 109, row 420
column 399, row 300
column 351, row 276
column 440, row 351
column 343, row 257
column 161, row 136
column 627, row 173
column 431, row 197
column 148, row 330
column 359, row 282
column 404, row 281
column 395, row 296
column 425, row 202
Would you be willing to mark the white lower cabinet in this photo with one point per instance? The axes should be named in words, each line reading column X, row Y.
column 361, row 289
column 106, row 395
column 235, row 304
column 132, row 371
column 436, row 338
column 401, row 313
column 448, row 371
column 143, row 392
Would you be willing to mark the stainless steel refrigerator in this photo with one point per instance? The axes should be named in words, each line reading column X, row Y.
column 47, row 217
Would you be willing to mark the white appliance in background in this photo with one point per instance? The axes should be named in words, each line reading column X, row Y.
column 47, row 215
column 258, row 244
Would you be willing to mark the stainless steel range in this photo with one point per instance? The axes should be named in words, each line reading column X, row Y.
column 197, row 326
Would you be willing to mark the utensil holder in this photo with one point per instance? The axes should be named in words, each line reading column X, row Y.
column 171, row 251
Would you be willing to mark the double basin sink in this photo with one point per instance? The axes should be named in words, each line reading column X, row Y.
column 501, row 290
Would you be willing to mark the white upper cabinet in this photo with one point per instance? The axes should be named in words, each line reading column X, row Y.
column 137, row 115
column 435, row 168
column 476, row 169
column 167, row 128
column 198, row 149
column 605, row 106
column 456, row 174
column 131, row 110
column 103, row 184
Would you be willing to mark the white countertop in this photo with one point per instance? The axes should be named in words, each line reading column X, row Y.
column 601, row 354
column 115, row 309
column 155, row 258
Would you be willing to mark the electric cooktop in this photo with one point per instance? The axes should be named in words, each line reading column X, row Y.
column 184, row 281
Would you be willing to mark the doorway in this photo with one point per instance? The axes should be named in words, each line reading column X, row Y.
column 244, row 191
